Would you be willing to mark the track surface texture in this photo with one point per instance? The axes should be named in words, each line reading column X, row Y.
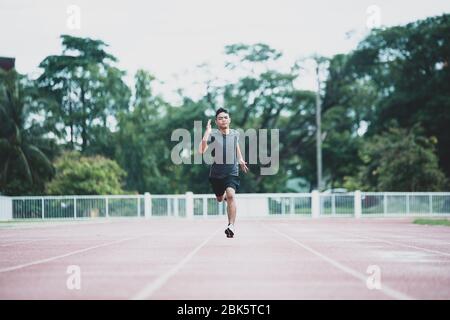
column 273, row 258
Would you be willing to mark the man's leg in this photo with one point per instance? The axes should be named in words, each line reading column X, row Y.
column 231, row 205
column 222, row 197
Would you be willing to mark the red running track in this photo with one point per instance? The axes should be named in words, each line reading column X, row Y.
column 268, row 259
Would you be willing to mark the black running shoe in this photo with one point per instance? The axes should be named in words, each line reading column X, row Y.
column 229, row 231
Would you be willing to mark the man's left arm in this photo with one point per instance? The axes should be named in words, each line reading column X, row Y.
column 242, row 162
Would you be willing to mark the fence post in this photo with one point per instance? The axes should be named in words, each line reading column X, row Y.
column 189, row 205
column 333, row 204
column 315, row 204
column 42, row 209
column 175, row 208
column 107, row 207
column 147, row 205
column 431, row 204
column 138, row 206
column 407, row 204
column 205, row 206
column 74, row 207
column 6, row 208
column 357, row 205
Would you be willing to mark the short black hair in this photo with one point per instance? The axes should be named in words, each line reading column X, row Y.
column 220, row 110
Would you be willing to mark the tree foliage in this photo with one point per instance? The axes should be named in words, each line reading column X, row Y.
column 80, row 175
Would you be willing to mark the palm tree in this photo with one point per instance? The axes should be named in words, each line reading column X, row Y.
column 24, row 165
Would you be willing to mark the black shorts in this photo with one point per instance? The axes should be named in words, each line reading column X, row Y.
column 219, row 185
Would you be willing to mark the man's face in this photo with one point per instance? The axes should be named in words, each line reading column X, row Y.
column 223, row 120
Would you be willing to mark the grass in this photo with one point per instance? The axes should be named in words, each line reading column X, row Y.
column 434, row 222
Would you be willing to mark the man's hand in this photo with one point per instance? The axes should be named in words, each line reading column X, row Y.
column 208, row 127
column 243, row 165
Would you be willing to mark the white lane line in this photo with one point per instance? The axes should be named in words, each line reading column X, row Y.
column 413, row 236
column 403, row 233
column 395, row 243
column 33, row 263
column 360, row 276
column 153, row 286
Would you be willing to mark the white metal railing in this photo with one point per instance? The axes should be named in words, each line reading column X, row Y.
column 405, row 204
column 337, row 204
column 76, row 207
column 356, row 204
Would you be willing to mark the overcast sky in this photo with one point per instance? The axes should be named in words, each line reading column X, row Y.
column 172, row 37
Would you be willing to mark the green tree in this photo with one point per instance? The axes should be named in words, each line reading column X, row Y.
column 80, row 175
column 399, row 160
column 143, row 140
column 25, row 149
column 89, row 91
column 348, row 104
column 409, row 65
column 340, row 145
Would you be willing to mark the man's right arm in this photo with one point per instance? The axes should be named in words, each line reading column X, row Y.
column 204, row 143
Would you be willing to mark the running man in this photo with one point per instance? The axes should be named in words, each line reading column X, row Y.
column 224, row 172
